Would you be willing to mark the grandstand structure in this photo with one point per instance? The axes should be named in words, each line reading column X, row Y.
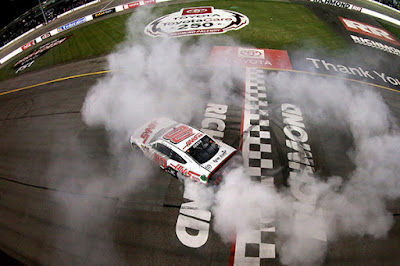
column 391, row 3
column 41, row 14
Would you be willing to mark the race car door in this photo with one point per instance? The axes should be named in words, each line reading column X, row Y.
column 160, row 155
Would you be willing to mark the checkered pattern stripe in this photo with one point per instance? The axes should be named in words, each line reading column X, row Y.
column 258, row 244
column 256, row 135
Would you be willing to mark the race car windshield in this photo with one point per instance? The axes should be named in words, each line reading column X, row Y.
column 203, row 150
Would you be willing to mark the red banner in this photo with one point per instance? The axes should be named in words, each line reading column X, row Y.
column 250, row 57
column 197, row 11
column 29, row 44
column 365, row 29
column 138, row 3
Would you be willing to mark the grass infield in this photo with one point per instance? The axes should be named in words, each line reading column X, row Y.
column 392, row 29
column 274, row 25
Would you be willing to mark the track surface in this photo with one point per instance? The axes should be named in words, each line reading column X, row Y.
column 44, row 143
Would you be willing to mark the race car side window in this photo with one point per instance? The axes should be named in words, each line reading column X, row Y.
column 168, row 152
column 162, row 148
column 176, row 157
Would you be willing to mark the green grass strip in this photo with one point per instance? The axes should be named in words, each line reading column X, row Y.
column 392, row 29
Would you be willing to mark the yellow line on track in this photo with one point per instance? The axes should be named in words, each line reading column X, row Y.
column 272, row 69
column 53, row 81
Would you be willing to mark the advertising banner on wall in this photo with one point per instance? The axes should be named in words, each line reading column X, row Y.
column 45, row 36
column 27, row 45
column 337, row 3
column 104, row 13
column 71, row 24
column 138, row 3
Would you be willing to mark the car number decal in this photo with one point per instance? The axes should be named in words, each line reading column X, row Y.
column 160, row 160
column 179, row 134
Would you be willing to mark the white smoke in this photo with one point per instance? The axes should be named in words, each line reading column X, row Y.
column 202, row 195
column 353, row 204
column 155, row 77
column 241, row 204
column 165, row 77
column 89, row 185
column 149, row 78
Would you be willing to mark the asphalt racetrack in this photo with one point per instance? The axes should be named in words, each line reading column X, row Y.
column 54, row 211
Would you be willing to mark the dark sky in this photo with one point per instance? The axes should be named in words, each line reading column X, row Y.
column 11, row 9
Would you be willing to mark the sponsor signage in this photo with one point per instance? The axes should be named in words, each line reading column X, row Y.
column 131, row 5
column 356, row 72
column 337, row 4
column 369, row 30
column 103, row 13
column 250, row 57
column 40, row 51
column 197, row 11
column 45, row 36
column 72, row 24
column 138, row 3
column 27, row 45
column 251, row 53
column 23, row 67
column 375, row 44
column 196, row 21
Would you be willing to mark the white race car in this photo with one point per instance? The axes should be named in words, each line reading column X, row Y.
column 183, row 151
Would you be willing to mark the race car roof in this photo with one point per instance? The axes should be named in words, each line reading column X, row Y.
column 178, row 135
column 182, row 136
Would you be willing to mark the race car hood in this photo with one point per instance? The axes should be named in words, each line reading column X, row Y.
column 147, row 131
column 224, row 153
